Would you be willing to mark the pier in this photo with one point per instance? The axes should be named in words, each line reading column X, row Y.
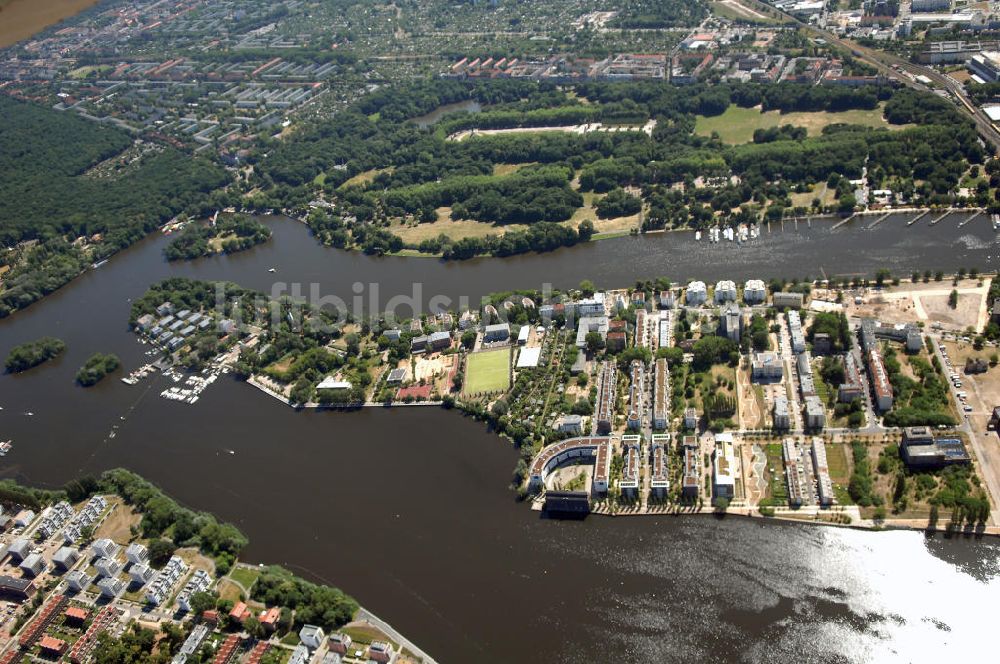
column 880, row 220
column 841, row 223
column 939, row 218
column 918, row 217
column 975, row 216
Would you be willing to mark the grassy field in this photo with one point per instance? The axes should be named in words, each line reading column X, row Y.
column 737, row 124
column 825, row 195
column 245, row 576
column 456, row 230
column 364, row 178
column 488, row 371
column 775, row 460
column 734, row 10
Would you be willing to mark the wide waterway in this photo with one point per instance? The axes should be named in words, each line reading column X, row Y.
column 408, row 509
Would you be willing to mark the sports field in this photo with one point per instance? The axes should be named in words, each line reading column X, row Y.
column 737, row 124
column 488, row 371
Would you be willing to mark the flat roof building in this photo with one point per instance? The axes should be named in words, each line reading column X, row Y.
column 690, row 418
column 552, row 456
column 815, row 415
column 754, row 292
column 787, row 300
column 781, row 418
column 637, row 389
column 795, row 332
column 632, row 456
column 921, row 449
column 659, row 482
column 725, row 291
column 795, row 473
column 824, row 486
column 661, row 394
column 606, row 395
column 696, row 294
column 766, row 366
column 724, row 466
column 497, row 332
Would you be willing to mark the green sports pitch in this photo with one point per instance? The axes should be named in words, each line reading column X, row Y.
column 488, row 371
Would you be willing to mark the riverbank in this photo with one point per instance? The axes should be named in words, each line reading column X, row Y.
column 788, row 515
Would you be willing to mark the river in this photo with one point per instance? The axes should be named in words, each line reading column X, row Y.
column 408, row 510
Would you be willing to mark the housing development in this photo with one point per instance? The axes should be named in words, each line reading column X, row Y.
column 80, row 576
column 766, row 389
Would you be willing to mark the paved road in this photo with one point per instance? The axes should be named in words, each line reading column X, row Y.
column 987, row 454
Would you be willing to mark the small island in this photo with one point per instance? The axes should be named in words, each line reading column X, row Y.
column 31, row 354
column 96, row 368
column 226, row 236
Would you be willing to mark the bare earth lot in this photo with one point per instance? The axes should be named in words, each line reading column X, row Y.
column 928, row 303
column 19, row 19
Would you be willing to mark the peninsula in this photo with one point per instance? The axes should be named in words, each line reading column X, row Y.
column 864, row 402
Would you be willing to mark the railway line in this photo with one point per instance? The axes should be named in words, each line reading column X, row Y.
column 898, row 69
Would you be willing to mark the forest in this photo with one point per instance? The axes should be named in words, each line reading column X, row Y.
column 228, row 235
column 411, row 173
column 63, row 177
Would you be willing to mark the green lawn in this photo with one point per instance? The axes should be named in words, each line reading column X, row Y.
column 488, row 371
column 245, row 576
column 776, row 460
column 737, row 124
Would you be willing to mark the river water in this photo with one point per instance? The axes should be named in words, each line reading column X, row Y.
column 407, row 509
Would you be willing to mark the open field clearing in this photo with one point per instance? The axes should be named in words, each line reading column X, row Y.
column 737, row 125
column 456, row 230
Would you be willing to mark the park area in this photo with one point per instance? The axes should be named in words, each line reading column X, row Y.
column 488, row 371
column 738, row 124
